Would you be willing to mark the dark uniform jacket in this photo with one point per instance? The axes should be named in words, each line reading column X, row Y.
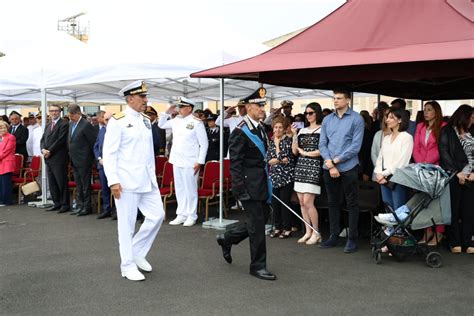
column 21, row 135
column 159, row 139
column 56, row 142
column 247, row 165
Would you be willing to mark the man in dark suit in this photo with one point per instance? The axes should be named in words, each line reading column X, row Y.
column 54, row 149
column 250, row 184
column 106, row 211
column 21, row 134
column 159, row 135
column 82, row 136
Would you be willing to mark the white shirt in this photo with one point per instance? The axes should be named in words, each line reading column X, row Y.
column 128, row 152
column 189, row 140
column 34, row 138
column 230, row 122
column 395, row 154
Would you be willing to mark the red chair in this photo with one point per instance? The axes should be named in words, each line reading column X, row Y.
column 209, row 189
column 30, row 175
column 159, row 167
column 166, row 188
column 18, row 166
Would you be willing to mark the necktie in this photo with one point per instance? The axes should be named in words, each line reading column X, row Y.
column 52, row 125
column 73, row 128
column 13, row 129
column 260, row 129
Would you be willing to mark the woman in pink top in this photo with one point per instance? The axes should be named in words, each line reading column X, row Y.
column 7, row 163
column 425, row 150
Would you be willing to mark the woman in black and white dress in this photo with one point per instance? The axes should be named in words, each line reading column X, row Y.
column 308, row 170
column 281, row 162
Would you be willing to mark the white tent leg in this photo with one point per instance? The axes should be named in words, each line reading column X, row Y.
column 44, row 190
column 220, row 223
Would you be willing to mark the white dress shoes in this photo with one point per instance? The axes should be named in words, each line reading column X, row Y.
column 133, row 275
column 189, row 222
column 143, row 264
column 178, row 221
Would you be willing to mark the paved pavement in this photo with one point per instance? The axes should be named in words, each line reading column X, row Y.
column 56, row 264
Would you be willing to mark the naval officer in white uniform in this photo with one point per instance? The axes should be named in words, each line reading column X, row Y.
column 188, row 154
column 129, row 165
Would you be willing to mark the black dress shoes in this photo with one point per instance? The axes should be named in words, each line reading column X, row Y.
column 64, row 209
column 54, row 208
column 263, row 274
column 114, row 215
column 104, row 215
column 225, row 248
column 85, row 212
column 76, row 211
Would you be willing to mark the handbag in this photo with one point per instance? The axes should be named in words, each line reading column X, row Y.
column 30, row 188
column 389, row 184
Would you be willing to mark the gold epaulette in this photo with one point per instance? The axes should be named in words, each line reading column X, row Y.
column 118, row 115
column 197, row 118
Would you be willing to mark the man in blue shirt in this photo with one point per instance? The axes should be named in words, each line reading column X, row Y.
column 341, row 138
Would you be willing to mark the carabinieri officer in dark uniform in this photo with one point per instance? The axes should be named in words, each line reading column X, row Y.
column 250, row 184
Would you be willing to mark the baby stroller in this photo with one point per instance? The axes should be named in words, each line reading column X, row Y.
column 429, row 206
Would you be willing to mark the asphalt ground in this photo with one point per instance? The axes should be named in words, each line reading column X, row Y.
column 56, row 264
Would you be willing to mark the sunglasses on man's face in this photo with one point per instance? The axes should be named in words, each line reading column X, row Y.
column 308, row 113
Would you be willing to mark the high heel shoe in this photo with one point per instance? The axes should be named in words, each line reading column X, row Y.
column 315, row 238
column 303, row 239
column 435, row 240
column 285, row 234
column 427, row 236
column 456, row 249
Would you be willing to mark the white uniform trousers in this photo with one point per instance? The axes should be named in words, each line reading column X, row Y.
column 186, row 192
column 131, row 246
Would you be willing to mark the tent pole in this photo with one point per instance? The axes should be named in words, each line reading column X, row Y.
column 44, row 191
column 220, row 223
column 221, row 151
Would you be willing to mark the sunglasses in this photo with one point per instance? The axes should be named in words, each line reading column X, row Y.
column 308, row 113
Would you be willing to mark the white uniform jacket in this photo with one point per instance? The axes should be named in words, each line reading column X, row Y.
column 128, row 152
column 189, row 140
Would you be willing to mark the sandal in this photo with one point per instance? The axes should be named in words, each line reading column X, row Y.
column 285, row 234
column 275, row 233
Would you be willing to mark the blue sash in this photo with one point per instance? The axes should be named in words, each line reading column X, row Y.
column 259, row 143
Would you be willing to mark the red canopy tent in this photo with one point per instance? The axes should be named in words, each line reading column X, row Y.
column 421, row 49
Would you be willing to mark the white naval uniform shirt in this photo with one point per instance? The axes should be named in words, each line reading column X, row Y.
column 189, row 140
column 230, row 122
column 128, row 153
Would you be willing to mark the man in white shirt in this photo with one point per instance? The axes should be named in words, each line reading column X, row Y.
column 129, row 165
column 188, row 154
column 230, row 119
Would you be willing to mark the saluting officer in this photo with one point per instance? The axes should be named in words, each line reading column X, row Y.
column 129, row 165
column 188, row 154
column 250, row 184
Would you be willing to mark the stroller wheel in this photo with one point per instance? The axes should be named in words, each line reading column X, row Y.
column 434, row 259
column 377, row 255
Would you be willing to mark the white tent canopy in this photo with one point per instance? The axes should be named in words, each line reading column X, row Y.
column 72, row 71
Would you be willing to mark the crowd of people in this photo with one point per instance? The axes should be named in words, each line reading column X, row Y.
column 330, row 148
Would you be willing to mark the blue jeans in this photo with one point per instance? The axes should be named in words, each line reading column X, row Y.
column 6, row 187
column 396, row 197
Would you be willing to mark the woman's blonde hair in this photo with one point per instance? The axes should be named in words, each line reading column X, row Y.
column 7, row 126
